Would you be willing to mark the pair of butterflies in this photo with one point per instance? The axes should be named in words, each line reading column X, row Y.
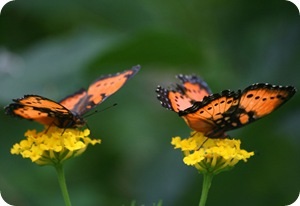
column 211, row 114
column 215, row 114
column 68, row 112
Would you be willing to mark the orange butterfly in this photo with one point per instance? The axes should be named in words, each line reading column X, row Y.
column 214, row 114
column 68, row 112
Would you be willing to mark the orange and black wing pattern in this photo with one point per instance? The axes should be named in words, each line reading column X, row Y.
column 41, row 110
column 68, row 112
column 183, row 95
column 72, row 100
column 98, row 91
column 218, row 113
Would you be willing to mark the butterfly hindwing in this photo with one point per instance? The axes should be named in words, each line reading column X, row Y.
column 212, row 116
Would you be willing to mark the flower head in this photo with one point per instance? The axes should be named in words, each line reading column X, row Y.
column 53, row 145
column 210, row 155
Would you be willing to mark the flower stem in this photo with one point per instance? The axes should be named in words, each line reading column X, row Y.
column 62, row 183
column 207, row 179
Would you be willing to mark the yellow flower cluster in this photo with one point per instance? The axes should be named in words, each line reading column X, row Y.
column 53, row 145
column 210, row 155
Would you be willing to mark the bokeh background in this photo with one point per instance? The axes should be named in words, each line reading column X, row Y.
column 53, row 48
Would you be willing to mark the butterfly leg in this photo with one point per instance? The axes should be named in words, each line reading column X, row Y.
column 202, row 143
column 63, row 131
column 50, row 125
column 53, row 124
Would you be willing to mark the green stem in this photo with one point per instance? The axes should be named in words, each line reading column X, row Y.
column 207, row 179
column 62, row 183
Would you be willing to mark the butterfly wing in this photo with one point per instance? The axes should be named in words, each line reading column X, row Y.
column 259, row 100
column 191, row 89
column 173, row 100
column 100, row 89
column 72, row 100
column 230, row 110
column 212, row 115
column 42, row 110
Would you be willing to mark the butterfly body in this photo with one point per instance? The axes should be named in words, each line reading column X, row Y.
column 68, row 112
column 218, row 113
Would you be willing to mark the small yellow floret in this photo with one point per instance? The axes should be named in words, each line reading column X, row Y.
column 210, row 155
column 53, row 145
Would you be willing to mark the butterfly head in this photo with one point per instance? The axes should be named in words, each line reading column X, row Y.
column 77, row 121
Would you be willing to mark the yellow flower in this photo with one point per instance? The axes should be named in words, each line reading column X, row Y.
column 209, row 155
column 53, row 145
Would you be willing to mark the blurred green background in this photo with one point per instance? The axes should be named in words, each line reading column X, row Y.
column 53, row 48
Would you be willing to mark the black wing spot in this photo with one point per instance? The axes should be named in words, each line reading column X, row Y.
column 249, row 95
column 280, row 97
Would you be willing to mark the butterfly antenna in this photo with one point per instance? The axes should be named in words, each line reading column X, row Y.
column 88, row 127
column 96, row 111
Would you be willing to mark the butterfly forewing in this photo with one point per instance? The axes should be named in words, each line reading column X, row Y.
column 173, row 100
column 182, row 96
column 102, row 88
column 179, row 101
column 39, row 102
column 194, row 87
column 71, row 101
column 39, row 109
column 195, row 92
column 262, row 99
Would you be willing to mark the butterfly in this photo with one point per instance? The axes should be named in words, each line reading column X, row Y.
column 215, row 114
column 68, row 112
